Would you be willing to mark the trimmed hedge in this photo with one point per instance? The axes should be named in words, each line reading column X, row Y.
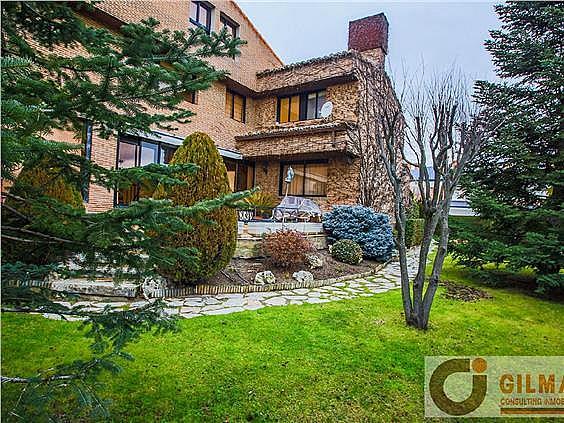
column 32, row 182
column 371, row 230
column 414, row 232
column 346, row 251
column 215, row 242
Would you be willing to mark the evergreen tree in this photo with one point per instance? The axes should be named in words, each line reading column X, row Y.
column 215, row 242
column 58, row 73
column 516, row 183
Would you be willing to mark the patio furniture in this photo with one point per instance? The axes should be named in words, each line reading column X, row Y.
column 296, row 208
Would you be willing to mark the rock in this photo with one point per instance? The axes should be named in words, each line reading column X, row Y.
column 265, row 278
column 314, row 261
column 303, row 276
column 152, row 284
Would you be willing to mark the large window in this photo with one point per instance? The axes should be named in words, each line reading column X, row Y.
column 301, row 106
column 310, row 179
column 133, row 152
column 235, row 105
column 200, row 14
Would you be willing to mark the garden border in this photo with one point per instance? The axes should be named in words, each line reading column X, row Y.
column 245, row 289
column 203, row 289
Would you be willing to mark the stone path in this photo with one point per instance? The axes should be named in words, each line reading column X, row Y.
column 384, row 280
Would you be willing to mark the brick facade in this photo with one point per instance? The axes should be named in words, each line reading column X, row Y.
column 261, row 77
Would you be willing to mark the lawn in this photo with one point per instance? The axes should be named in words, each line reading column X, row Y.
column 351, row 360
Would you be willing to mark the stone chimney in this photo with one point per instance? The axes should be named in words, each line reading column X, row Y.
column 369, row 36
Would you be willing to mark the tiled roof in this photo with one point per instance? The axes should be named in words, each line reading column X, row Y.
column 293, row 130
column 291, row 66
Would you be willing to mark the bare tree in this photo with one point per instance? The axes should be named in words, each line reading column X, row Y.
column 432, row 125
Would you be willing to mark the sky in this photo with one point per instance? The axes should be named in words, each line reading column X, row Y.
column 439, row 35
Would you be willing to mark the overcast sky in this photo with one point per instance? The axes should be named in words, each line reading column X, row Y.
column 437, row 33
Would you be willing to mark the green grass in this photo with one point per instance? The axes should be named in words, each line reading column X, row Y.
column 351, row 360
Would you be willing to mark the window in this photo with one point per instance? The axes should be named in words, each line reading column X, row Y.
column 200, row 14
column 310, row 179
column 301, row 107
column 241, row 175
column 230, row 24
column 235, row 105
column 87, row 152
column 133, row 152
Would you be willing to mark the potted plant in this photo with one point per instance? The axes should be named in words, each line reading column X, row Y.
column 263, row 203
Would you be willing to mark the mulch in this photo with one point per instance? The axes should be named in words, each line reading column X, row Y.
column 455, row 291
column 243, row 271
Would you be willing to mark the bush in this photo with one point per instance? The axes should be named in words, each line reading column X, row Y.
column 414, row 232
column 33, row 182
column 346, row 251
column 214, row 241
column 287, row 248
column 371, row 230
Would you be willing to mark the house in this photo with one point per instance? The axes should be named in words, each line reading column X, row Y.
column 264, row 117
column 459, row 205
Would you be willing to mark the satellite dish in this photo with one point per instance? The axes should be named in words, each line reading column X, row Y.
column 326, row 109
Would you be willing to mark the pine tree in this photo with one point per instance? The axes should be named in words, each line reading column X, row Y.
column 215, row 242
column 125, row 81
column 516, row 183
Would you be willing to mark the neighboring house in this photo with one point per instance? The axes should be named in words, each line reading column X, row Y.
column 459, row 205
column 263, row 117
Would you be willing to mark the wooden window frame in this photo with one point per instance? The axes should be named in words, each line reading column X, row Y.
column 294, row 164
column 209, row 8
column 232, row 113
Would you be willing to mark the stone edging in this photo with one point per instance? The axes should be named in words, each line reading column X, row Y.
column 244, row 289
column 209, row 289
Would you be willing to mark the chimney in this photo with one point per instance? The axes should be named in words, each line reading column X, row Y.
column 369, row 34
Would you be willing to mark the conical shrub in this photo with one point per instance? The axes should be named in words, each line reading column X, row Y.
column 215, row 242
column 41, row 179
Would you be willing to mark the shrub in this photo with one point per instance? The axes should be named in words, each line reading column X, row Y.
column 35, row 181
column 371, row 230
column 287, row 248
column 263, row 202
column 414, row 232
column 214, row 241
column 346, row 251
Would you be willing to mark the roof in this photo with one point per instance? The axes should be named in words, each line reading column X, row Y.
column 293, row 130
column 296, row 65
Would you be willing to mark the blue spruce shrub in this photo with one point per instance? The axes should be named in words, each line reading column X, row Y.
column 371, row 230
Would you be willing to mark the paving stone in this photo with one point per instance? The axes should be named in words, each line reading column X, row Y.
column 314, row 294
column 301, row 291
column 296, row 302
column 275, row 301
column 212, row 307
column 317, row 300
column 235, row 302
column 189, row 310
column 224, row 311
column 296, row 297
column 253, row 306
column 211, row 301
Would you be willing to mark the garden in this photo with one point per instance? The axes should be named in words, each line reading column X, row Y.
column 188, row 330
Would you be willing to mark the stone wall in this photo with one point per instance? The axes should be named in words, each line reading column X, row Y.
column 342, row 181
column 343, row 96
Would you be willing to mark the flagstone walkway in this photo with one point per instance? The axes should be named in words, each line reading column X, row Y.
column 385, row 279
